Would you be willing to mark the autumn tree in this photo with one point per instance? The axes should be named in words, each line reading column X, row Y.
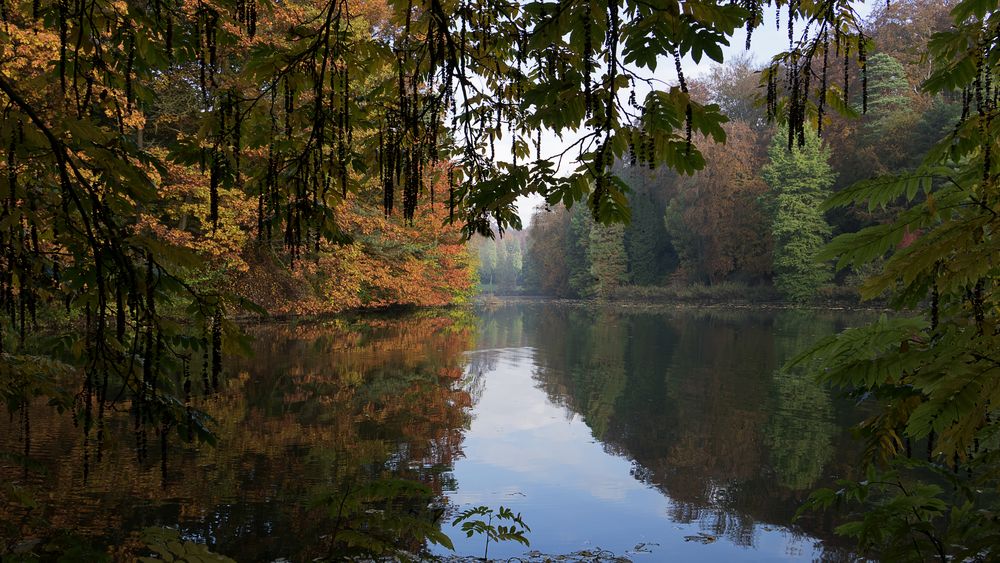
column 901, row 29
column 928, row 372
column 300, row 104
column 716, row 220
column 300, row 112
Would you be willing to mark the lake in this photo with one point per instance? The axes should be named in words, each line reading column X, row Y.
column 652, row 435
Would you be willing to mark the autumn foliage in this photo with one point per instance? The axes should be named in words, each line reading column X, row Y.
column 720, row 226
column 378, row 260
column 384, row 262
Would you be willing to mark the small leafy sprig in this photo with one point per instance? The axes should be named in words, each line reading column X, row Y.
column 513, row 532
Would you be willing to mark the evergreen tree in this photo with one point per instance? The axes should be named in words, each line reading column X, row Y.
column 890, row 111
column 651, row 257
column 938, row 120
column 488, row 261
column 887, row 85
column 799, row 182
column 684, row 240
column 929, row 372
column 608, row 261
column 581, row 280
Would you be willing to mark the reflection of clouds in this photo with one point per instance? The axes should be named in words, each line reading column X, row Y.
column 462, row 498
column 507, row 495
column 577, row 491
column 480, row 362
column 679, row 403
column 518, row 429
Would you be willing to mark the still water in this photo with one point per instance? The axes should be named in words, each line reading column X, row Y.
column 667, row 435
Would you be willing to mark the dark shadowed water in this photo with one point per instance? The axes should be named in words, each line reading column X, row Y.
column 658, row 436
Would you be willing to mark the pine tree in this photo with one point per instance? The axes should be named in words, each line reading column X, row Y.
column 929, row 372
column 608, row 261
column 799, row 182
column 887, row 85
column 889, row 107
column 581, row 281
column 651, row 254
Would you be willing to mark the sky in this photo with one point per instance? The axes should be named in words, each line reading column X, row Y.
column 766, row 42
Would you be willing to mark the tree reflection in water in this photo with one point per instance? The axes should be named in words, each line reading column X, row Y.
column 343, row 437
column 333, row 437
column 696, row 400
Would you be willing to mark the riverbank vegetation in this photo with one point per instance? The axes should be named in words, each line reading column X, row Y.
column 750, row 224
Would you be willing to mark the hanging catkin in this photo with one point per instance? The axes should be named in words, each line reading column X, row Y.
column 216, row 347
column 821, row 105
column 688, row 114
column 588, row 61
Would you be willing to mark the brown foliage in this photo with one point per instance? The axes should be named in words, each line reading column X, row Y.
column 721, row 209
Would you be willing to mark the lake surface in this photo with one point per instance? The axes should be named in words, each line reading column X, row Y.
column 650, row 435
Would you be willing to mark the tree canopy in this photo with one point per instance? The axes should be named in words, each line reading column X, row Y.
column 302, row 105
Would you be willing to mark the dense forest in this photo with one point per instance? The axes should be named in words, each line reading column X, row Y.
column 751, row 223
column 169, row 166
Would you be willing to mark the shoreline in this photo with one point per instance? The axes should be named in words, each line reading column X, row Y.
column 636, row 303
column 629, row 303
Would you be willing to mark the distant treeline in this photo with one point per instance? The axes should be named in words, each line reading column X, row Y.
column 754, row 216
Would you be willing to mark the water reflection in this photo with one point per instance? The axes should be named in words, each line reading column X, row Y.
column 322, row 434
column 603, row 428
column 672, row 429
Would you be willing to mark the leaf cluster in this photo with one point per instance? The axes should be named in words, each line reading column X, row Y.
column 932, row 371
column 472, row 523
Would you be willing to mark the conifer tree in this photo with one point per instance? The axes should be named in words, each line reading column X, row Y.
column 651, row 254
column 799, row 180
column 929, row 491
column 608, row 261
column 887, row 86
column 581, row 280
column 890, row 114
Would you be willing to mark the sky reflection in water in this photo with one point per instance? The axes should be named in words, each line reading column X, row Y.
column 525, row 452
column 552, row 434
column 604, row 428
